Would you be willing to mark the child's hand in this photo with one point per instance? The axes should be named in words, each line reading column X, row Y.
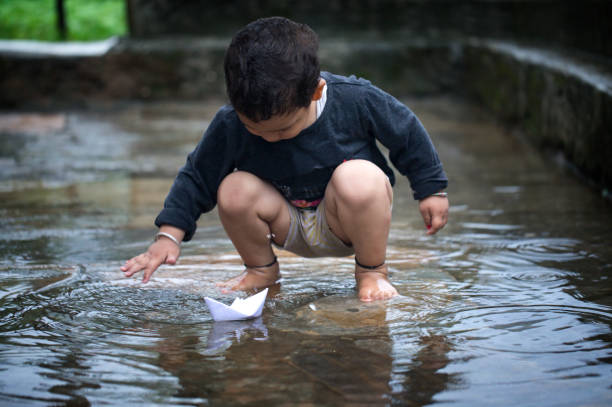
column 162, row 251
column 434, row 210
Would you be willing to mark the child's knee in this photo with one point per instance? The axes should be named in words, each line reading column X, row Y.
column 237, row 192
column 359, row 183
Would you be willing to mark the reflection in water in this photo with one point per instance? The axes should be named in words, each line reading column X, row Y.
column 224, row 333
column 509, row 305
column 425, row 379
column 294, row 363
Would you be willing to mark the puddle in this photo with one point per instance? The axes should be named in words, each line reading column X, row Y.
column 509, row 304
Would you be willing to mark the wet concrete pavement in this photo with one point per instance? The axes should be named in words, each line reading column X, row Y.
column 510, row 303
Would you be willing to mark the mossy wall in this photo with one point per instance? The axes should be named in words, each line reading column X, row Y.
column 559, row 109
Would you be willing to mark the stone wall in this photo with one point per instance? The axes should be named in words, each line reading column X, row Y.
column 583, row 25
column 560, row 104
column 126, row 70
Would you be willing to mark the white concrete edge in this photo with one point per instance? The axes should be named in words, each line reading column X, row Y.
column 550, row 60
column 58, row 49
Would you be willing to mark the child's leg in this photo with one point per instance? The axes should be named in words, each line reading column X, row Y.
column 358, row 210
column 252, row 212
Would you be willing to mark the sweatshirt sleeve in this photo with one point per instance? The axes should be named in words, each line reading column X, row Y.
column 194, row 190
column 410, row 148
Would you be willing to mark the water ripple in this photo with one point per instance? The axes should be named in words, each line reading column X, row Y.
column 541, row 328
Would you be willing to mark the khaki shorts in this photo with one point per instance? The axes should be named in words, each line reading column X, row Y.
column 310, row 236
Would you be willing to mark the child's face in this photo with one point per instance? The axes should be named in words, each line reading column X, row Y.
column 279, row 128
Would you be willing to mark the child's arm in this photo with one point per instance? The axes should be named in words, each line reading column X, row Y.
column 434, row 210
column 193, row 192
column 162, row 251
column 410, row 148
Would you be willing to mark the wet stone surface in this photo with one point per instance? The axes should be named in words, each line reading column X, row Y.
column 509, row 304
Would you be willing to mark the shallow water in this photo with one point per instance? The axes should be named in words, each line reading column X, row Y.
column 509, row 305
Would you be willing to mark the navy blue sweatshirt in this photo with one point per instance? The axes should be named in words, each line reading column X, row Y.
column 356, row 114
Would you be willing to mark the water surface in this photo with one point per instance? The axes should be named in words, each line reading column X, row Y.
column 508, row 305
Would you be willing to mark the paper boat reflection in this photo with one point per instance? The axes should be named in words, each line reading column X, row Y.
column 241, row 308
column 223, row 334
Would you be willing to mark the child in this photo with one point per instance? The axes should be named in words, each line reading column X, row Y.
column 293, row 162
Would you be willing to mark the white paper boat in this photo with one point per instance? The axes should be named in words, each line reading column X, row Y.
column 241, row 308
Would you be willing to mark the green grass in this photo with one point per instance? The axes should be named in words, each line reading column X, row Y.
column 86, row 20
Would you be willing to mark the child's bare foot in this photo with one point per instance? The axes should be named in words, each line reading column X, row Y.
column 374, row 284
column 252, row 277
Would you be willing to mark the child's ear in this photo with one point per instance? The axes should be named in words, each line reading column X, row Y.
column 319, row 90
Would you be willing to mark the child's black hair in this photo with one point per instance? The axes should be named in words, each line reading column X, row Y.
column 272, row 68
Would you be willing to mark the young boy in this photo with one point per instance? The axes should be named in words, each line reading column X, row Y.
column 293, row 162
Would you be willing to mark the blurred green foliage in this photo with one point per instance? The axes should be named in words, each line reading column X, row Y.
column 86, row 20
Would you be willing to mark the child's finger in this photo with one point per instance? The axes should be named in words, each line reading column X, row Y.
column 432, row 230
column 134, row 265
column 128, row 264
column 437, row 223
column 426, row 218
column 125, row 266
column 154, row 263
